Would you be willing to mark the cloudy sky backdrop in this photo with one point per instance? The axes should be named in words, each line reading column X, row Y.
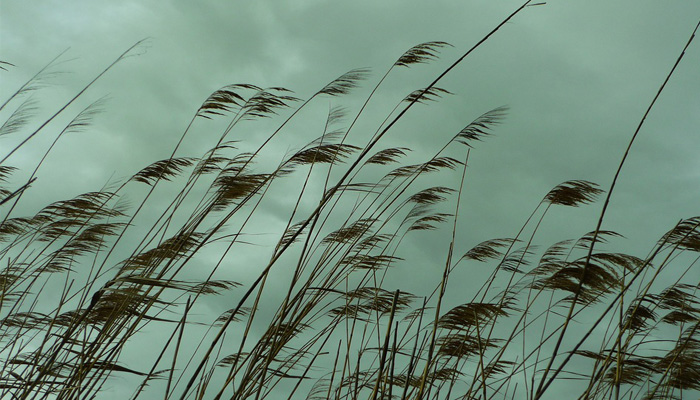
column 577, row 77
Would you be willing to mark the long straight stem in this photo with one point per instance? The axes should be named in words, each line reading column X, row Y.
column 544, row 383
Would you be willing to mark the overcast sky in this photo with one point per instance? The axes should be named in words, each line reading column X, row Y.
column 577, row 77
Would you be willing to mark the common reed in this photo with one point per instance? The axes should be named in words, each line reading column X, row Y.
column 84, row 279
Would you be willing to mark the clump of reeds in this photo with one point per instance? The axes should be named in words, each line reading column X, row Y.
column 82, row 280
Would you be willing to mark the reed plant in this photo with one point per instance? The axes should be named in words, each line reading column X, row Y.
column 111, row 287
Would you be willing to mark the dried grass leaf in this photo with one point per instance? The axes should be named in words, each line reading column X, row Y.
column 573, row 193
column 488, row 250
column 386, row 156
column 481, row 126
column 163, row 169
column 345, row 83
column 421, row 53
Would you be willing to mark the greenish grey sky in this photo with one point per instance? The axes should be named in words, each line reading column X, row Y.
column 577, row 77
